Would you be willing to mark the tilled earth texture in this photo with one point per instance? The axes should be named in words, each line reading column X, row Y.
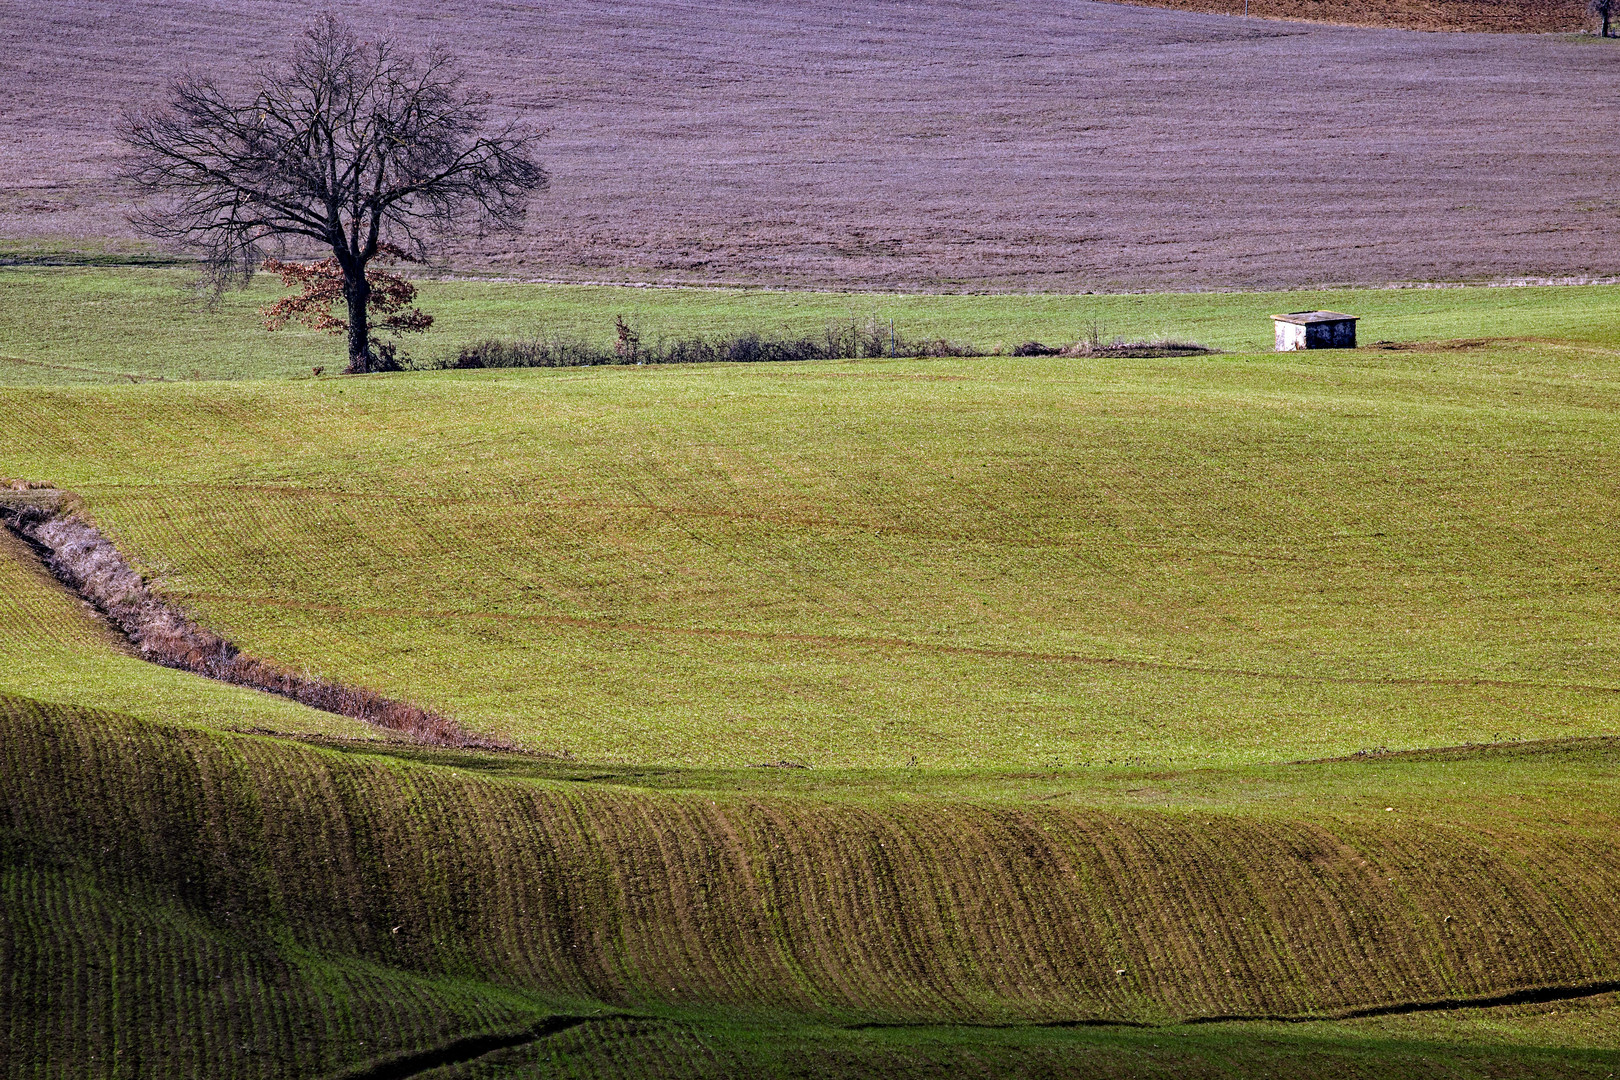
column 932, row 145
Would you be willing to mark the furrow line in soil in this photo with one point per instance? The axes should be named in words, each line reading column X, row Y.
column 463, row 1050
column 507, row 503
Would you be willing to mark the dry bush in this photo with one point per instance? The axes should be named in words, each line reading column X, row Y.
column 1122, row 349
column 1035, row 348
column 1096, row 343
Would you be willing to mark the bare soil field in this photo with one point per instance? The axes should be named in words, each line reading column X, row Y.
column 1489, row 16
column 927, row 145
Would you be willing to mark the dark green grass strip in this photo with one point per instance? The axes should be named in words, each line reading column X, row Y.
column 1535, row 996
column 1541, row 995
column 459, row 1051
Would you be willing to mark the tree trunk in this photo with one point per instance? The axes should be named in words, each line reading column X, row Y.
column 357, row 290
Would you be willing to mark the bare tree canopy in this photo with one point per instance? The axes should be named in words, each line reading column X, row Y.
column 355, row 145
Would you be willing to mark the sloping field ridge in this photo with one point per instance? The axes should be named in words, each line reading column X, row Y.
column 566, row 893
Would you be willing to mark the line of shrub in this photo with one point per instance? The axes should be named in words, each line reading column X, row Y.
column 850, row 340
column 839, row 341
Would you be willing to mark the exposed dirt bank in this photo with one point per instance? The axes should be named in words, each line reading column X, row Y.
column 87, row 562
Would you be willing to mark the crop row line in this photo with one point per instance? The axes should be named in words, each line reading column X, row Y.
column 845, row 641
column 768, row 518
column 1539, row 995
column 921, row 912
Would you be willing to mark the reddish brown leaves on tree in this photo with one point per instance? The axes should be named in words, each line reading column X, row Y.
column 388, row 305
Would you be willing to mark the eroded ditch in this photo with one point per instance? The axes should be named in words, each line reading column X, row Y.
column 83, row 559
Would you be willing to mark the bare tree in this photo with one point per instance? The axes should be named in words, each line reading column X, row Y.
column 355, row 145
column 1603, row 9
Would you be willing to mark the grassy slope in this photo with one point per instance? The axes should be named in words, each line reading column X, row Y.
column 314, row 903
column 1243, row 557
column 688, row 1047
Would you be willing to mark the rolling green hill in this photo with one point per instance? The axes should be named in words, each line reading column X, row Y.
column 113, row 323
column 953, row 562
column 1097, row 666
column 182, row 902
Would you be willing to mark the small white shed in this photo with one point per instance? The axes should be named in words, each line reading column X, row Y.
column 1315, row 330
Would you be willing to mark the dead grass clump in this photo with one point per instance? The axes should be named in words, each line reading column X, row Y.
column 1035, row 348
column 1097, row 345
column 1121, row 349
column 80, row 556
column 1447, row 345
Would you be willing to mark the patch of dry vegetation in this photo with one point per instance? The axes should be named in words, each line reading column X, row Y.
column 1490, row 16
column 83, row 558
column 848, row 340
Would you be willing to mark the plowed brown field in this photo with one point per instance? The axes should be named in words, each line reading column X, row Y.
column 1042, row 145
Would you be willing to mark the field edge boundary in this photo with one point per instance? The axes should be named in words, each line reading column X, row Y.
column 1531, row 996
column 464, row 1049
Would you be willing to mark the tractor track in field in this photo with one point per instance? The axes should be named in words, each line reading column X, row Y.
column 470, row 1048
column 1532, row 996
column 132, row 376
column 903, row 644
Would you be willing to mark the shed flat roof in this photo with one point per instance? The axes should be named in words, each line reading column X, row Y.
column 1314, row 317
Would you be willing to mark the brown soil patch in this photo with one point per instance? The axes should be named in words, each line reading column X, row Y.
column 1046, row 145
column 1467, row 344
column 1489, row 16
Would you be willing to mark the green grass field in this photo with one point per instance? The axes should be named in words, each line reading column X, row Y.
column 954, row 562
column 1064, row 643
column 69, row 324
